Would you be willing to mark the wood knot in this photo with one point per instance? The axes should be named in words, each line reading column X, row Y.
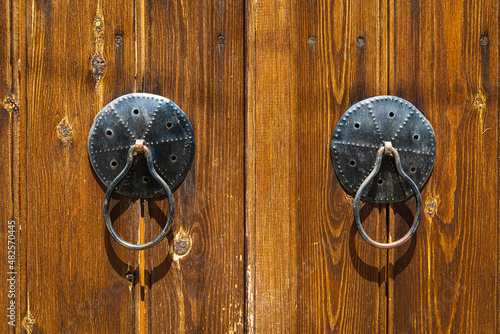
column 182, row 246
column 431, row 207
column 65, row 132
column 29, row 322
column 98, row 25
column 10, row 104
column 98, row 65
column 479, row 101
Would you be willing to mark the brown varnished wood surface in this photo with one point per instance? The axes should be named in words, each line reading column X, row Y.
column 75, row 274
column 271, row 198
column 309, row 271
column 341, row 280
column 445, row 280
column 273, row 246
column 11, row 136
column 193, row 55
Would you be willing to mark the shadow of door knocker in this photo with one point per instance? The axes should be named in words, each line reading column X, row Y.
column 383, row 151
column 141, row 146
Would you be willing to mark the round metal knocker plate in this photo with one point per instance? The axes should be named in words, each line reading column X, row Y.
column 165, row 130
column 361, row 132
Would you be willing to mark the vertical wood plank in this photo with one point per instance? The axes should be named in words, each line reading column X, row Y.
column 445, row 280
column 308, row 271
column 12, row 148
column 341, row 279
column 75, row 273
column 18, row 10
column 194, row 56
column 250, row 166
column 271, row 202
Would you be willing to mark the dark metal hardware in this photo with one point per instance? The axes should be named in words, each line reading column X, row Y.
column 141, row 146
column 387, row 149
column 368, row 166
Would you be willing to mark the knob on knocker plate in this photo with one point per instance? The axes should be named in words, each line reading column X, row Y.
column 141, row 146
column 383, row 151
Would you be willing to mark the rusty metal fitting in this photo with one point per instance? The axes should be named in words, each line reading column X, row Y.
column 139, row 146
column 388, row 147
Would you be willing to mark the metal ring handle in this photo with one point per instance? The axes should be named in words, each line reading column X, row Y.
column 139, row 147
column 387, row 149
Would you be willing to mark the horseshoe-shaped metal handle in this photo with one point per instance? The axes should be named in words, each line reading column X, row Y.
column 387, row 149
column 139, row 147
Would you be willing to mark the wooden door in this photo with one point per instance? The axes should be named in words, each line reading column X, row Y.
column 263, row 240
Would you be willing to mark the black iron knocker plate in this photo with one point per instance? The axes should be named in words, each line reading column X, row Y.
column 364, row 128
column 161, row 124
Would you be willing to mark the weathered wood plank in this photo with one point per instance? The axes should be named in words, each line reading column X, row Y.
column 75, row 273
column 271, row 204
column 305, row 269
column 11, row 150
column 445, row 280
column 308, row 270
column 341, row 278
column 193, row 54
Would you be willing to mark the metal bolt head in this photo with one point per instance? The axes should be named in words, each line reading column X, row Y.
column 118, row 40
column 483, row 40
column 311, row 40
column 221, row 39
column 360, row 41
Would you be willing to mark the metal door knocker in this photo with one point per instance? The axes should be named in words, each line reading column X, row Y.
column 141, row 146
column 383, row 150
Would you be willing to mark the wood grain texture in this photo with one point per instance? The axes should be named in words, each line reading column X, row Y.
column 75, row 274
column 271, row 209
column 445, row 280
column 308, row 271
column 193, row 54
column 341, row 279
column 272, row 246
column 11, row 150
